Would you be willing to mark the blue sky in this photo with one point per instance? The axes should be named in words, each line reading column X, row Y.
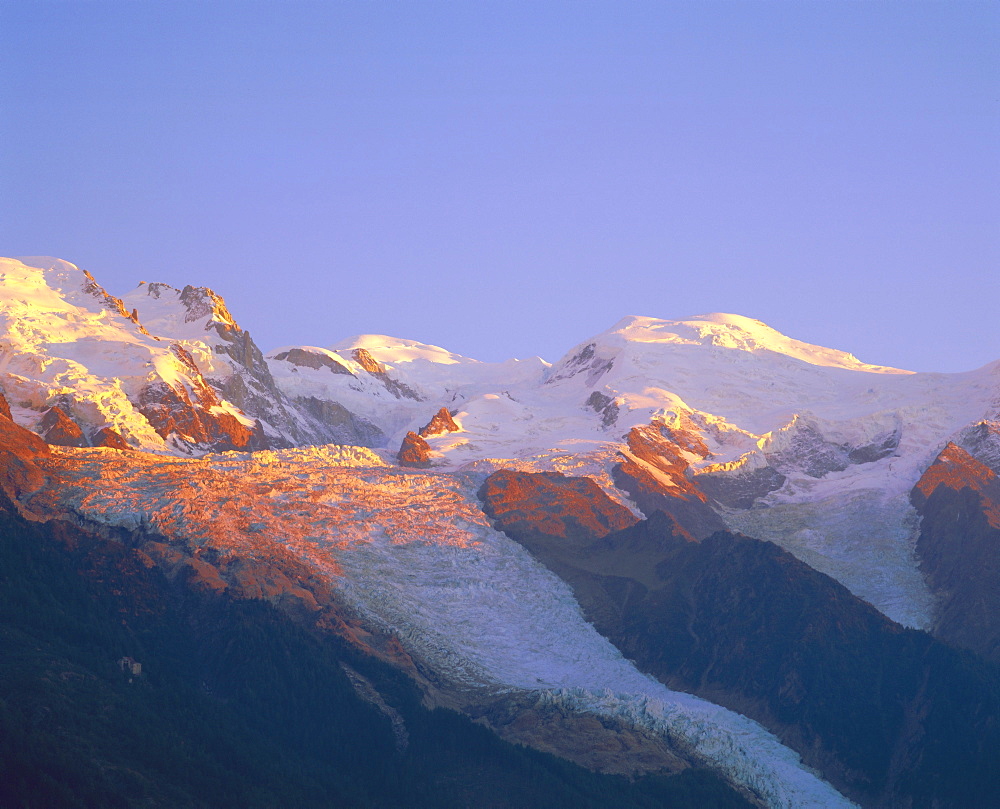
column 507, row 179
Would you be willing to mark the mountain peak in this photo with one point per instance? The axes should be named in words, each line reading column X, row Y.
column 394, row 350
column 730, row 331
column 159, row 304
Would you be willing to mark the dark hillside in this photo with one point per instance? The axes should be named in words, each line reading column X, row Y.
column 235, row 705
column 892, row 717
column 958, row 499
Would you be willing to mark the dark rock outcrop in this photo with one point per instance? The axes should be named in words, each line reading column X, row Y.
column 340, row 424
column 655, row 474
column 58, row 429
column 252, row 388
column 811, row 453
column 107, row 437
column 414, row 451
column 982, row 442
column 881, row 447
column 312, row 359
column 740, row 488
column 441, row 423
column 958, row 499
column 399, row 389
column 605, row 406
column 585, row 361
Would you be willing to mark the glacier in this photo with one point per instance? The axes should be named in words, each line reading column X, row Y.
column 412, row 552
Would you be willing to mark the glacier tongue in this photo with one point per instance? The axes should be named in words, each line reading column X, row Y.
column 861, row 538
column 413, row 552
column 488, row 615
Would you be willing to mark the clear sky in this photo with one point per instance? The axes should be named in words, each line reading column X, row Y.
column 508, row 179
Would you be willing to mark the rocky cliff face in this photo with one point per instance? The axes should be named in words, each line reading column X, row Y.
column 441, row 423
column 56, row 427
column 548, row 507
column 193, row 413
column 20, row 451
column 79, row 363
column 654, row 473
column 958, row 499
column 237, row 369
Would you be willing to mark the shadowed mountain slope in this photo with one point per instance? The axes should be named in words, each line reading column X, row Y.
column 958, row 499
column 121, row 688
column 889, row 715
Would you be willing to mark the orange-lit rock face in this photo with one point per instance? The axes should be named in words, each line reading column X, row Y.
column 957, row 469
column 58, row 428
column 367, row 361
column 20, row 453
column 654, row 472
column 197, row 417
column 169, row 411
column 414, row 451
column 958, row 499
column 658, row 456
column 440, row 424
column 552, row 504
column 107, row 437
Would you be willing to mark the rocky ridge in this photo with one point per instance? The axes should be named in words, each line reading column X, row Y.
column 698, row 426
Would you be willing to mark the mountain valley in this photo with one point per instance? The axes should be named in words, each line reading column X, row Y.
column 691, row 563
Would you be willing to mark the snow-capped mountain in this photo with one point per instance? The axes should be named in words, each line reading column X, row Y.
column 798, row 444
column 76, row 358
column 366, row 470
column 160, row 369
column 393, row 381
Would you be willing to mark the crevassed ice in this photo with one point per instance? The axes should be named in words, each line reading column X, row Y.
column 487, row 614
column 413, row 553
